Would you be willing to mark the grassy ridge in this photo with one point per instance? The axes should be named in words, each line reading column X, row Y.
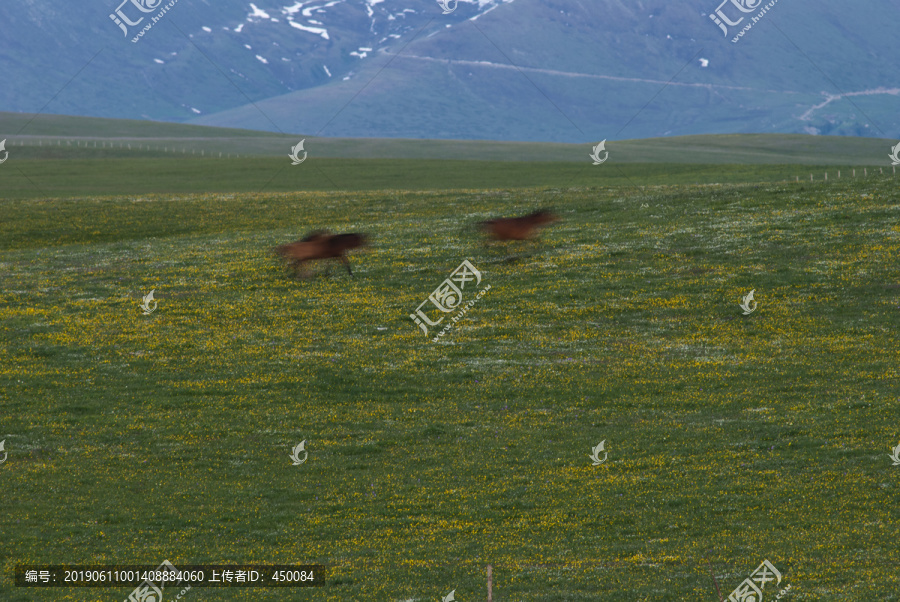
column 71, row 178
column 69, row 126
column 137, row 438
column 72, row 157
column 58, row 136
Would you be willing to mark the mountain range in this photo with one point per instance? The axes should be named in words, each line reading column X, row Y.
column 527, row 70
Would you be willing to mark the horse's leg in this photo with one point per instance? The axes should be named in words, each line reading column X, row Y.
column 306, row 273
column 346, row 263
column 491, row 240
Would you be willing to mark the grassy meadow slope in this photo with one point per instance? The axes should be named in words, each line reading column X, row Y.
column 62, row 136
column 731, row 438
column 54, row 156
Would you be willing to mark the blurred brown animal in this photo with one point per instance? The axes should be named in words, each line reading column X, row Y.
column 320, row 244
column 518, row 228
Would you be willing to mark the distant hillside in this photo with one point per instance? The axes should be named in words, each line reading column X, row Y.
column 525, row 70
column 547, row 70
column 58, row 136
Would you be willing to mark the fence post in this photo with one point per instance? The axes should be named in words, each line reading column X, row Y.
column 490, row 584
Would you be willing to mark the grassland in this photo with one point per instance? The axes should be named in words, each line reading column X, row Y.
column 52, row 156
column 65, row 137
column 134, row 439
column 76, row 178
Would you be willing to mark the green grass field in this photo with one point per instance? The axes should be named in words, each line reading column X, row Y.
column 62, row 136
column 53, row 156
column 76, row 178
column 134, row 439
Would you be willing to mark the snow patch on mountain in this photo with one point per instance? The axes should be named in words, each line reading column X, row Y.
column 258, row 13
column 307, row 12
column 316, row 30
column 491, row 4
column 312, row 17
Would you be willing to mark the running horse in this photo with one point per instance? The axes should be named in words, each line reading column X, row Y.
column 320, row 244
column 518, row 228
